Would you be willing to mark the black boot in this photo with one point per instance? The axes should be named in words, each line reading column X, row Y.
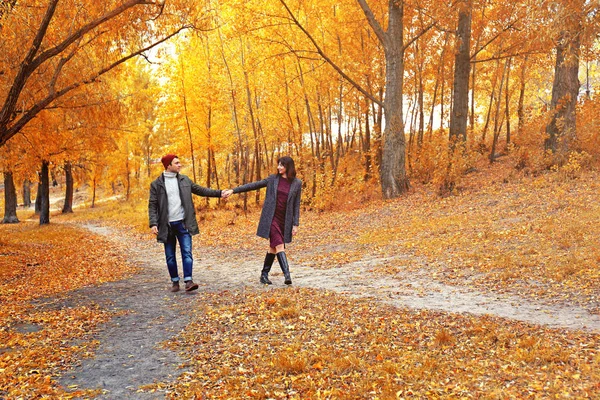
column 285, row 267
column 264, row 275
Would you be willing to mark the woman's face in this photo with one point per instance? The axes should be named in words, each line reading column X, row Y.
column 281, row 169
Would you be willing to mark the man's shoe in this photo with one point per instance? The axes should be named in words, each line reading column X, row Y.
column 175, row 287
column 190, row 285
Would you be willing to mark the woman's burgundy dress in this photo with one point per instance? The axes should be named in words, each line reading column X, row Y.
column 278, row 223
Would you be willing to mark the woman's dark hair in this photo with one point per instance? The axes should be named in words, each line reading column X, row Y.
column 290, row 168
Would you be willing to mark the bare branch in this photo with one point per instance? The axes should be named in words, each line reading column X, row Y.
column 379, row 32
column 496, row 36
column 329, row 61
column 148, row 60
column 414, row 39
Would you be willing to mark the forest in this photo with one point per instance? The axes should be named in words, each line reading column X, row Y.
column 447, row 150
column 366, row 97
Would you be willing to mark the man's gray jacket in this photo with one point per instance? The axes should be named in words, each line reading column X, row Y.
column 292, row 211
column 158, row 207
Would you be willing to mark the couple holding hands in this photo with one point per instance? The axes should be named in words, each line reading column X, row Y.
column 172, row 216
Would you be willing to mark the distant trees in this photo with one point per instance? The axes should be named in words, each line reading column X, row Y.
column 368, row 95
column 51, row 49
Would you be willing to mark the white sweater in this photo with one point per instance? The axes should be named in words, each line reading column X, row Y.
column 174, row 201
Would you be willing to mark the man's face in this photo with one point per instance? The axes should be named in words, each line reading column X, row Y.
column 175, row 166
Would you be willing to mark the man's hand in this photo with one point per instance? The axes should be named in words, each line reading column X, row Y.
column 226, row 193
column 155, row 229
column 294, row 230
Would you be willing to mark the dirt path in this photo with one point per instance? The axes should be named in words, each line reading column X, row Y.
column 360, row 279
column 128, row 356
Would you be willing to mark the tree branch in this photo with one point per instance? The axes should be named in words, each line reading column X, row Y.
column 379, row 32
column 83, row 30
column 496, row 36
column 509, row 55
column 59, row 68
column 414, row 39
column 26, row 68
column 329, row 61
column 5, row 135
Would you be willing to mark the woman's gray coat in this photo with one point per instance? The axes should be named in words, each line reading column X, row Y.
column 292, row 212
column 158, row 207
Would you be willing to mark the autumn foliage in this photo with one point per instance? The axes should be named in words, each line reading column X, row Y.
column 245, row 82
column 40, row 336
column 364, row 95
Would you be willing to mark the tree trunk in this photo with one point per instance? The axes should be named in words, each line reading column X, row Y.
column 367, row 145
column 45, row 194
column 127, row 171
column 472, row 112
column 26, row 193
column 209, row 159
column 10, row 200
column 490, row 106
column 565, row 88
column 208, row 173
column 497, row 123
column 94, row 192
column 394, row 181
column 507, row 101
column 38, row 197
column 253, row 122
column 314, row 147
column 521, row 107
column 187, row 118
column 240, row 160
column 462, row 65
column 420, row 68
column 437, row 85
column 68, row 206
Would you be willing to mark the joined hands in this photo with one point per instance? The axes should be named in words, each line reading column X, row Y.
column 226, row 193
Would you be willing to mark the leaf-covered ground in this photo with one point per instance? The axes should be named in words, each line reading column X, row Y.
column 303, row 343
column 37, row 341
column 502, row 233
column 536, row 237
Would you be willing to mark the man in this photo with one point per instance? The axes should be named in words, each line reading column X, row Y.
column 173, row 217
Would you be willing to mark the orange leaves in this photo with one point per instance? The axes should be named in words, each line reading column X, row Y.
column 357, row 349
column 50, row 260
column 40, row 338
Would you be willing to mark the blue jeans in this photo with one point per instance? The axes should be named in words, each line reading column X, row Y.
column 178, row 232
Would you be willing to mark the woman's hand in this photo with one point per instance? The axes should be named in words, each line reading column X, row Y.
column 294, row 230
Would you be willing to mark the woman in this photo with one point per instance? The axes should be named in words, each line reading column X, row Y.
column 280, row 214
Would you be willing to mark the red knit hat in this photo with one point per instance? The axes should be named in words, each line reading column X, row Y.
column 168, row 159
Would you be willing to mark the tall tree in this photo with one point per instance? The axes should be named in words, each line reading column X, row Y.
column 68, row 205
column 462, row 65
column 44, row 193
column 565, row 88
column 10, row 199
column 393, row 177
